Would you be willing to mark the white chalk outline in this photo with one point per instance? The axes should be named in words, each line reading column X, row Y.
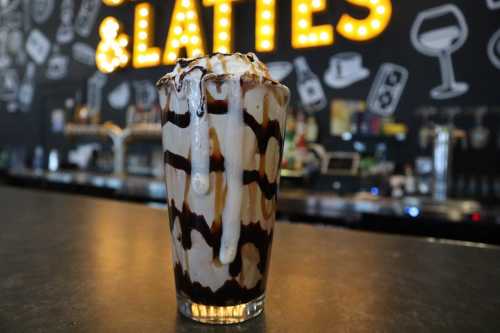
column 83, row 53
column 279, row 70
column 95, row 85
column 46, row 10
column 119, row 97
column 27, row 88
column 494, row 43
column 145, row 94
column 338, row 82
column 57, row 66
column 10, row 7
column 449, row 88
column 38, row 46
column 86, row 17
column 493, row 4
column 305, row 98
column 9, row 75
column 5, row 59
column 66, row 31
column 379, row 87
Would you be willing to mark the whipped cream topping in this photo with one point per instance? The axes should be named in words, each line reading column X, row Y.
column 235, row 64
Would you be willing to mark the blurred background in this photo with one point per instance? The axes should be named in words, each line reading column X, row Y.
column 394, row 124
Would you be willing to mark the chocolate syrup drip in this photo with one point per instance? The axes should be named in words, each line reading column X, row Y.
column 251, row 233
column 177, row 161
column 217, row 107
column 190, row 221
column 268, row 189
column 254, row 234
column 181, row 120
column 231, row 293
column 181, row 163
column 263, row 133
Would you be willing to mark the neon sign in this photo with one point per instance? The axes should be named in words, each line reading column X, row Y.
column 185, row 30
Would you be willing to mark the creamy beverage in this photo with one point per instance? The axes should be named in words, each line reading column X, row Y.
column 223, row 122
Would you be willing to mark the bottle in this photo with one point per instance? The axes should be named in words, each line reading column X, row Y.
column 289, row 147
column 27, row 90
column 309, row 86
column 300, row 143
column 53, row 160
column 410, row 181
column 312, row 130
column 38, row 158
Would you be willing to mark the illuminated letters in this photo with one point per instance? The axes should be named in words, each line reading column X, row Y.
column 144, row 54
column 113, row 3
column 304, row 34
column 369, row 27
column 223, row 21
column 184, row 31
column 265, row 25
column 112, row 51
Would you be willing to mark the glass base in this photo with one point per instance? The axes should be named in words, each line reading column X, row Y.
column 444, row 92
column 211, row 314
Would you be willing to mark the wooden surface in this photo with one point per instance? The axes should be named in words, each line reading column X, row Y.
column 76, row 264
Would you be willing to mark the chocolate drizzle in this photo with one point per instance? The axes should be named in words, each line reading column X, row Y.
column 231, row 293
column 181, row 120
column 217, row 107
column 181, row 163
column 178, row 162
column 263, row 132
column 190, row 221
column 254, row 234
column 268, row 189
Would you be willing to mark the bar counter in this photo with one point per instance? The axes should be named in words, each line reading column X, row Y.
column 76, row 264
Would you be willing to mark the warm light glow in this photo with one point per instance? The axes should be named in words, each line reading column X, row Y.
column 304, row 34
column 223, row 30
column 112, row 51
column 265, row 23
column 113, row 3
column 144, row 54
column 374, row 24
column 184, row 32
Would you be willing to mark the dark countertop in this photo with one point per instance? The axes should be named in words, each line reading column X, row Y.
column 77, row 264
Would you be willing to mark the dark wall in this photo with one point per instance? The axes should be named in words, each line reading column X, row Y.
column 471, row 63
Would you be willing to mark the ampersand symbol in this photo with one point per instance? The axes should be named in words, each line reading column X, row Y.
column 112, row 49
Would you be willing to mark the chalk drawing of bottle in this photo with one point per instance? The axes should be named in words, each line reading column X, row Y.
column 309, row 86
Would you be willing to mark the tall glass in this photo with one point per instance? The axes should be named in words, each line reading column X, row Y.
column 223, row 143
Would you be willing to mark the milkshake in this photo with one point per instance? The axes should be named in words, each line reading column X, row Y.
column 223, row 122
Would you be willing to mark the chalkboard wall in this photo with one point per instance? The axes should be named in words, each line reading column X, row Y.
column 471, row 63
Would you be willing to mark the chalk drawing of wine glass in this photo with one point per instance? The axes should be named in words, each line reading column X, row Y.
column 430, row 37
column 494, row 49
